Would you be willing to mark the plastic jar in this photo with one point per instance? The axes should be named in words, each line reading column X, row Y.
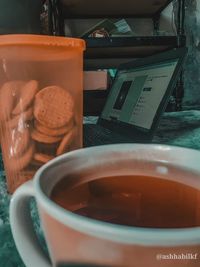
column 41, row 89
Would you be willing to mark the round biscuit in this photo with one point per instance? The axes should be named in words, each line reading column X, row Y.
column 54, row 132
column 21, row 119
column 17, row 141
column 18, row 164
column 42, row 158
column 11, row 180
column 42, row 138
column 27, row 94
column 26, row 175
column 66, row 141
column 53, row 107
column 8, row 95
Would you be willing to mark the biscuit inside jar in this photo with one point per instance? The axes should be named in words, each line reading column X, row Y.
column 53, row 107
column 39, row 125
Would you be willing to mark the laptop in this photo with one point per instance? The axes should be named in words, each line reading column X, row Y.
column 137, row 99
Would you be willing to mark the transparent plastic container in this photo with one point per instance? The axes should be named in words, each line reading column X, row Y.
column 41, row 89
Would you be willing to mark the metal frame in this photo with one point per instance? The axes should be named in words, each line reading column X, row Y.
column 57, row 17
column 136, row 41
column 181, row 42
column 181, row 17
column 96, row 16
column 180, row 22
column 156, row 24
column 179, row 91
column 56, row 27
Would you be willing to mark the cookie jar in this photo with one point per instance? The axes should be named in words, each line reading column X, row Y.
column 41, row 89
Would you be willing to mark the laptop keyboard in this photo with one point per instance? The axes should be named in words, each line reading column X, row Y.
column 95, row 135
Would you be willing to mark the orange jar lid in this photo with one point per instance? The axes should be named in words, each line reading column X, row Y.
column 41, row 40
column 25, row 47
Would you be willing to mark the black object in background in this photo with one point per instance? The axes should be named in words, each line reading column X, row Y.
column 20, row 16
column 122, row 95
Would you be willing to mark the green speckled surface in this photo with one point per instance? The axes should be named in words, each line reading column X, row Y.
column 8, row 254
column 181, row 128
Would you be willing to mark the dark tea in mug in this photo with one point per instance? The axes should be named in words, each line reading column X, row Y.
column 139, row 201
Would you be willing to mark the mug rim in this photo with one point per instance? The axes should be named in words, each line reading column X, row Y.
column 117, row 233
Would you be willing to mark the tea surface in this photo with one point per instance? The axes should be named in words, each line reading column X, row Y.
column 132, row 201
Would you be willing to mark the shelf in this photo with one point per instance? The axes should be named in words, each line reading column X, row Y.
column 102, row 53
column 112, row 8
column 105, row 63
column 106, row 52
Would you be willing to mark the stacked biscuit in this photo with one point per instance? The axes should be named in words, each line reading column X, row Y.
column 36, row 125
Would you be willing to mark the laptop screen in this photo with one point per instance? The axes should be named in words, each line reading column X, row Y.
column 137, row 93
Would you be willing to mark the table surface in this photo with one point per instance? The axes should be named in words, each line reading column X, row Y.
column 177, row 128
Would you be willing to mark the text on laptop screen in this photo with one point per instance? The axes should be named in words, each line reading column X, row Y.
column 137, row 93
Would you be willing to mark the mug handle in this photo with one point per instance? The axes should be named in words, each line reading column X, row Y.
column 22, row 228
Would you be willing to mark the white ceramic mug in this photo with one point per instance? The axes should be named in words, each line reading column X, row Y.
column 75, row 239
